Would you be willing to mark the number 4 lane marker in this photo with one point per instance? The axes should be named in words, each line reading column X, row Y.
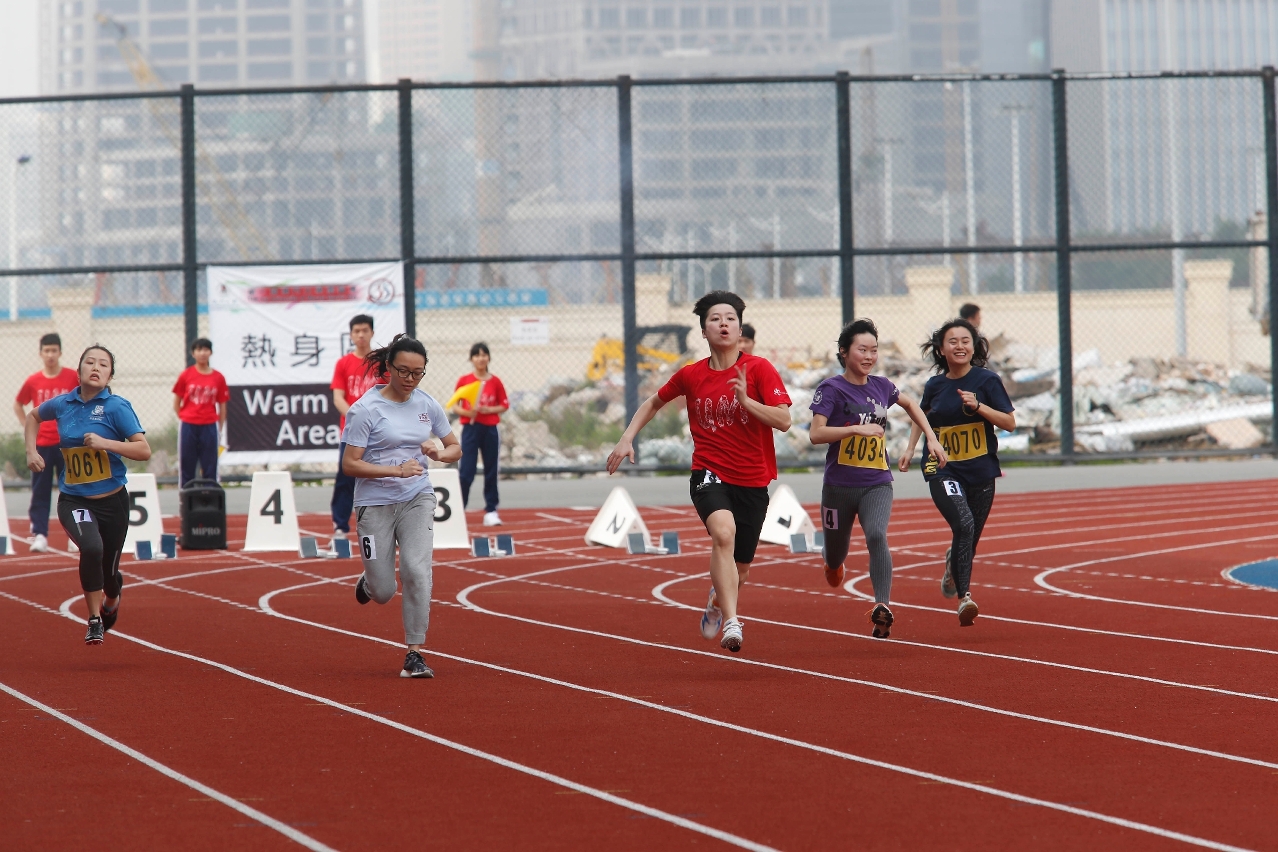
column 272, row 518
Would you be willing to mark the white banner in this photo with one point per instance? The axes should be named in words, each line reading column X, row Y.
column 277, row 333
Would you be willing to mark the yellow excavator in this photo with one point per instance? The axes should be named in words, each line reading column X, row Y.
column 656, row 343
column 214, row 187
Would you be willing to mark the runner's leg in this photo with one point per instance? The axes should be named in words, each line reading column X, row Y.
column 723, row 568
column 42, row 491
column 188, row 452
column 88, row 522
column 749, row 508
column 981, row 500
column 950, row 497
column 208, row 450
column 375, row 526
column 838, row 511
column 415, row 532
column 875, row 510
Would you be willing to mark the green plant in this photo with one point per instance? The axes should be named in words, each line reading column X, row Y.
column 13, row 451
column 667, row 424
column 583, row 429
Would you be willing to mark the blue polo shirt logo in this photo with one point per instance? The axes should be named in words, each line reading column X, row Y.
column 98, row 411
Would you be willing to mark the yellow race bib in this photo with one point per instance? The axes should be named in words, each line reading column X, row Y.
column 863, row 451
column 963, row 443
column 86, row 466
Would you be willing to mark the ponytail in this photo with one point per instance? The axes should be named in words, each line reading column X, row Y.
column 379, row 361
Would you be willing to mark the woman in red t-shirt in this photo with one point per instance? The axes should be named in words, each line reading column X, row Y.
column 479, row 429
column 735, row 400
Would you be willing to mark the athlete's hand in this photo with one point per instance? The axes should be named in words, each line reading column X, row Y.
column 970, row 402
column 410, row 468
column 625, row 449
column 937, row 450
column 430, row 451
column 739, row 385
column 903, row 463
column 94, row 441
column 35, row 462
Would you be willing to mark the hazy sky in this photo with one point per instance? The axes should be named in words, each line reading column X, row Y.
column 18, row 49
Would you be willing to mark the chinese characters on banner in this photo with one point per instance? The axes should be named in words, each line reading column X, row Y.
column 277, row 333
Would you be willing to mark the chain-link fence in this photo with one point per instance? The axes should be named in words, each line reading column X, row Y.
column 571, row 225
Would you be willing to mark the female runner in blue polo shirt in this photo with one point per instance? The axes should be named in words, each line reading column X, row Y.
column 95, row 429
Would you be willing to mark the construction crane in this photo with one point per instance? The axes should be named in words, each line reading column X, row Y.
column 221, row 196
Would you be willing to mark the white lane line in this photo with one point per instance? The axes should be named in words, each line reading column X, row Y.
column 659, row 592
column 463, row 598
column 1041, row 580
column 40, row 573
column 264, row 602
column 167, row 771
column 611, row 798
column 555, row 518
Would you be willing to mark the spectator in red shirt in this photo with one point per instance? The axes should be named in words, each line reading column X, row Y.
column 479, row 430
column 53, row 380
column 199, row 400
column 735, row 400
column 351, row 379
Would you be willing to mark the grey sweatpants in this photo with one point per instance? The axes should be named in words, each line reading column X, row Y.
column 839, row 508
column 411, row 525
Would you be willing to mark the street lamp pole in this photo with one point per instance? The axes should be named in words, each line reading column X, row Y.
column 18, row 163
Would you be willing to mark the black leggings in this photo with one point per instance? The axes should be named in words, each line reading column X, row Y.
column 965, row 508
column 98, row 527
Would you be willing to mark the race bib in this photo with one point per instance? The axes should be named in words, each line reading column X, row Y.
column 863, row 451
column 963, row 443
column 85, row 466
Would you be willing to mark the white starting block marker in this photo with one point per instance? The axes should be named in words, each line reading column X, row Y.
column 637, row 542
column 800, row 543
column 145, row 524
column 483, row 547
column 786, row 517
column 450, row 517
column 6, row 537
column 307, row 548
column 617, row 520
column 272, row 516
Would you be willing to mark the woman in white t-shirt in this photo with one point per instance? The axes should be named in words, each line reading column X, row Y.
column 389, row 436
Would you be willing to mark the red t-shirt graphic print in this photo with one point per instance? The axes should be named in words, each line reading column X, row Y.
column 726, row 439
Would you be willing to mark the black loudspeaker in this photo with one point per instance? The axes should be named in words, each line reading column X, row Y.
column 202, row 508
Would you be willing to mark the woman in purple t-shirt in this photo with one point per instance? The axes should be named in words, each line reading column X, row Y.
column 849, row 412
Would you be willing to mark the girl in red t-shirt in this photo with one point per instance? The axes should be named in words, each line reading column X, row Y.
column 735, row 400
column 479, row 429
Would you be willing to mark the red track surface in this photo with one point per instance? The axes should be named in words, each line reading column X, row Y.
column 1116, row 691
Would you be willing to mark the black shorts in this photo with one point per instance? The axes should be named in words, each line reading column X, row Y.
column 749, row 506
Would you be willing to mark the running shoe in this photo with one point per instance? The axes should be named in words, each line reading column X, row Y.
column 881, row 618
column 40, row 544
column 110, row 615
column 834, row 576
column 967, row 611
column 94, row 634
column 731, row 635
column 492, row 519
column 711, row 619
column 415, row 666
column 361, row 593
column 947, row 579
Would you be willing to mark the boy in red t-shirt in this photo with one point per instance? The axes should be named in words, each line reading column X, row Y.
column 199, row 400
column 735, row 400
column 351, row 380
column 53, row 380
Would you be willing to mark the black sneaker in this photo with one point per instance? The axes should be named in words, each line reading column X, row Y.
column 881, row 618
column 361, row 593
column 415, row 666
column 94, row 634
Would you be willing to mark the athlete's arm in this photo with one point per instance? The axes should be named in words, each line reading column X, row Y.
column 775, row 416
column 903, row 463
column 340, row 403
column 134, row 447
column 919, row 421
column 625, row 448
column 449, row 454
column 353, row 464
column 821, row 433
column 30, row 432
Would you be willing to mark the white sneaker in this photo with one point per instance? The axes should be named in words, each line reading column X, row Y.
column 40, row 544
column 731, row 635
column 492, row 519
column 967, row 611
column 711, row 619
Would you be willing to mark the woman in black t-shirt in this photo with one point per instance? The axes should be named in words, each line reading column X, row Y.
column 964, row 403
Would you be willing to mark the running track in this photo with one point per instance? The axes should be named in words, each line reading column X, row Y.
column 1116, row 693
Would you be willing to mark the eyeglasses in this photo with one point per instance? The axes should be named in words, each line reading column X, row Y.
column 405, row 373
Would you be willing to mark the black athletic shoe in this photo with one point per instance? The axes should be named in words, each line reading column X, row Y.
column 881, row 618
column 94, row 634
column 415, row 666
column 361, row 593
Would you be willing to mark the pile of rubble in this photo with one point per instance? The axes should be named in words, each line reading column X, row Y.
column 1141, row 404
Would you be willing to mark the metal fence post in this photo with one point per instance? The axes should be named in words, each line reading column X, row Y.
column 190, row 269
column 1064, row 332
column 1271, row 218
column 407, row 227
column 625, row 162
column 847, row 273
